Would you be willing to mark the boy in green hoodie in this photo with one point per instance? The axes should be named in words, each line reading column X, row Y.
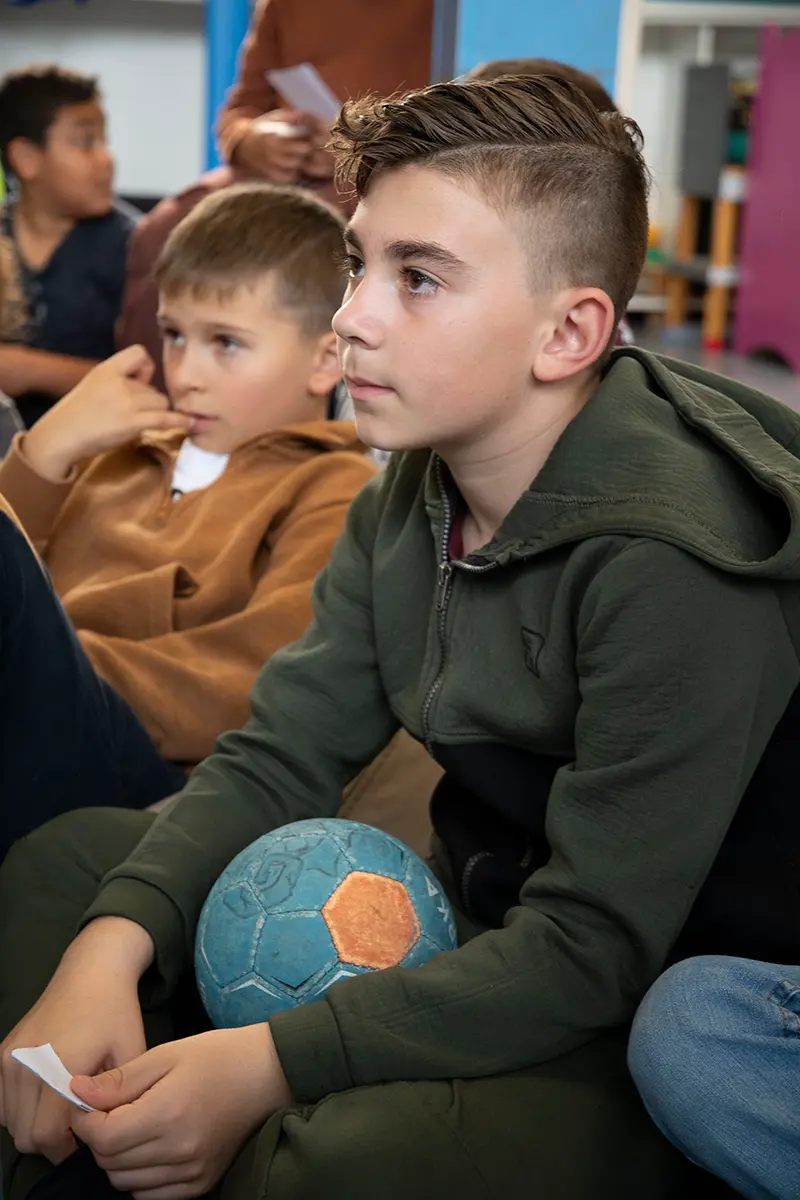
column 578, row 585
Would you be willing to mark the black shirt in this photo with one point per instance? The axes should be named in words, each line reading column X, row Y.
column 74, row 300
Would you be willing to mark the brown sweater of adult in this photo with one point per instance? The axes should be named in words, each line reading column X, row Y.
column 358, row 47
column 179, row 603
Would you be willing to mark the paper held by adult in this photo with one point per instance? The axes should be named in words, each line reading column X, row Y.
column 304, row 89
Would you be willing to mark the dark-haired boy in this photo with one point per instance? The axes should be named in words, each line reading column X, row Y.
column 70, row 236
column 578, row 584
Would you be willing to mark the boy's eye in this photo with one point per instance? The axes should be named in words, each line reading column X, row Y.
column 226, row 343
column 88, row 141
column 353, row 265
column 418, row 283
column 172, row 337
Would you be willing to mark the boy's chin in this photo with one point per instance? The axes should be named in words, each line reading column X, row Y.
column 378, row 437
column 205, row 440
column 96, row 207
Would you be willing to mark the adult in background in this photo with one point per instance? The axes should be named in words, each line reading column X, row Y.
column 357, row 46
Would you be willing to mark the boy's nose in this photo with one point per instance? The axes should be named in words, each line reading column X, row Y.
column 184, row 376
column 358, row 320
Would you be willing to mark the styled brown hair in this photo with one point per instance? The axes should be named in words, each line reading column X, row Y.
column 590, row 86
column 237, row 236
column 536, row 148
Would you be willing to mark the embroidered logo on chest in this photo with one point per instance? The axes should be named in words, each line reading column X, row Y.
column 532, row 644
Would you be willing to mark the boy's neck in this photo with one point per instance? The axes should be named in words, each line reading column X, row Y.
column 39, row 228
column 492, row 475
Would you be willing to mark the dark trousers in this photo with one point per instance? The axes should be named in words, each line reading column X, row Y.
column 573, row 1129
column 67, row 739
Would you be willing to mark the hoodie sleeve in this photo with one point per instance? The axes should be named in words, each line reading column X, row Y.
column 187, row 685
column 319, row 715
column 252, row 96
column 35, row 500
column 683, row 674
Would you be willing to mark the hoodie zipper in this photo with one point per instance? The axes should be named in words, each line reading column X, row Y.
column 444, row 588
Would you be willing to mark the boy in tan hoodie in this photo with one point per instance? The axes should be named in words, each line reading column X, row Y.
column 183, row 534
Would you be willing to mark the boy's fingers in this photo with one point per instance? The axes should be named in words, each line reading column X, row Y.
column 22, row 1119
column 52, row 1135
column 144, row 1155
column 133, row 361
column 153, row 1181
column 167, row 420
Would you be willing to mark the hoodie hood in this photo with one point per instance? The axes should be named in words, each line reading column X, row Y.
column 669, row 451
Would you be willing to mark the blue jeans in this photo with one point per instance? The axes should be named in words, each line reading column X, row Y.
column 715, row 1053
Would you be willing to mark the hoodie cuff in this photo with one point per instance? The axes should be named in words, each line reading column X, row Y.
column 311, row 1051
column 35, row 500
column 149, row 907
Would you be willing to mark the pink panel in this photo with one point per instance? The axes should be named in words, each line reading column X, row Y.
column 768, row 303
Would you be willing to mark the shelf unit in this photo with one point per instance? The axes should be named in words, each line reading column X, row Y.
column 699, row 19
column 683, row 12
column 657, row 40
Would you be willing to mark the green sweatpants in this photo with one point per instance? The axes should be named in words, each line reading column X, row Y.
column 572, row 1129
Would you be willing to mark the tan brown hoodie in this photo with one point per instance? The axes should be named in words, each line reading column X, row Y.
column 179, row 603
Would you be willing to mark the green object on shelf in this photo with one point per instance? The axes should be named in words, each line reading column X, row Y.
column 737, row 146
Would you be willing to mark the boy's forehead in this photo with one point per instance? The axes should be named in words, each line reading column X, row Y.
column 422, row 205
column 88, row 113
column 221, row 301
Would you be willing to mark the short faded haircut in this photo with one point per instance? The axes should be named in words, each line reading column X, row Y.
column 238, row 236
column 534, row 147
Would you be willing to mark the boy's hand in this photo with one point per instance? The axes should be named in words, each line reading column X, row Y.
column 112, row 406
column 268, row 149
column 173, row 1120
column 90, row 1013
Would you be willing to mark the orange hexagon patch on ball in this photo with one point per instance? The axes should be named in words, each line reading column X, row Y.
column 371, row 920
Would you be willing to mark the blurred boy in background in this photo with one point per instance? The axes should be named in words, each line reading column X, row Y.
column 70, row 237
column 10, row 421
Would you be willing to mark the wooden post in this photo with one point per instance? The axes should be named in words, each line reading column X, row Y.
column 722, row 266
column 677, row 287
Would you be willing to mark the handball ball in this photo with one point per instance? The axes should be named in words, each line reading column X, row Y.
column 310, row 904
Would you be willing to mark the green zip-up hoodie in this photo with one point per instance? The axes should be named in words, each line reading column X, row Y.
column 605, row 684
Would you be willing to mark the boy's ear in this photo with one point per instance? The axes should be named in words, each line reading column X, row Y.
column 24, row 158
column 325, row 369
column 580, row 328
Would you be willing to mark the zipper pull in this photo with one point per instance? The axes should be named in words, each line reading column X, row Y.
column 443, row 574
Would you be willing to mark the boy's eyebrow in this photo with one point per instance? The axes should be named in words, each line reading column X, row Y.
column 431, row 252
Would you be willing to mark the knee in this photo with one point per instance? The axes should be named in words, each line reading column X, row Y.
column 673, row 1034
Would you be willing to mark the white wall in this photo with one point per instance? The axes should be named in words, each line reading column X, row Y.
column 149, row 55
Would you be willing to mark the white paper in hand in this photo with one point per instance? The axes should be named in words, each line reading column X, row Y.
column 304, row 89
column 45, row 1063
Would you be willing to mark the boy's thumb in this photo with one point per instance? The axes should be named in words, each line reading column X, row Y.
column 121, row 1085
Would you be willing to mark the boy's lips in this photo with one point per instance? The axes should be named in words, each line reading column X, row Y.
column 365, row 389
